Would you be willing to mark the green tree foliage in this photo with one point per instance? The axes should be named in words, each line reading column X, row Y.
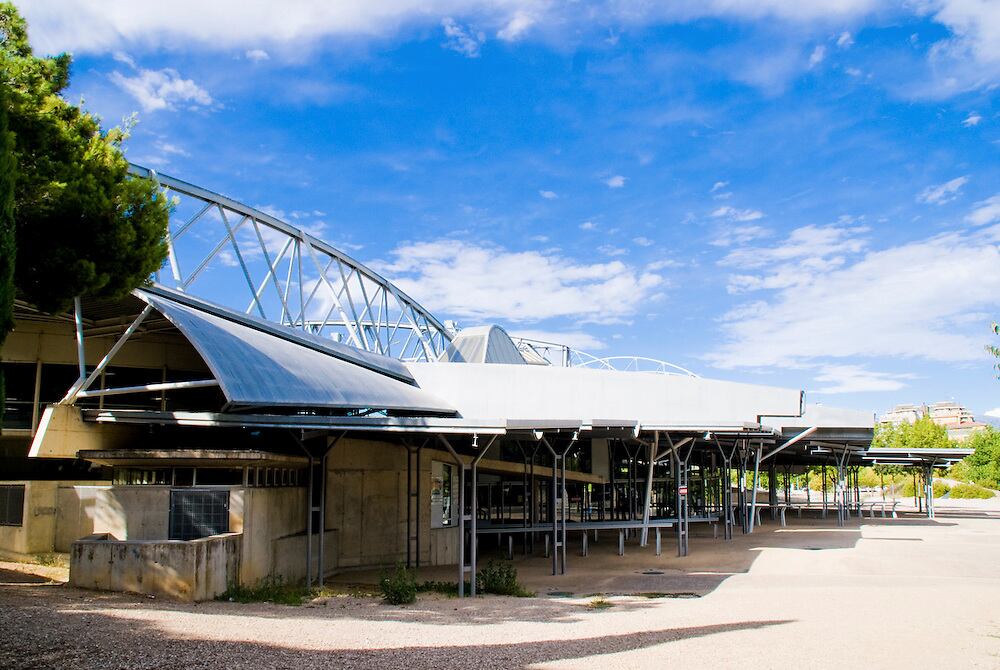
column 7, row 245
column 984, row 463
column 922, row 434
column 82, row 226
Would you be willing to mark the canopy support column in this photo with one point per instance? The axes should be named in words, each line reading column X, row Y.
column 461, row 515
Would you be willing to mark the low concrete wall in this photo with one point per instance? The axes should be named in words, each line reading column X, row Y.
column 191, row 571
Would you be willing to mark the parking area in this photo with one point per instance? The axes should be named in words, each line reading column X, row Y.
column 908, row 592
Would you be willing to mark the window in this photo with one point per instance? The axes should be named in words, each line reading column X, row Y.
column 195, row 514
column 11, row 504
column 442, row 497
column 19, row 380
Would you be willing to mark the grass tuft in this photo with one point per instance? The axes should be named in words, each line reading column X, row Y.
column 600, row 603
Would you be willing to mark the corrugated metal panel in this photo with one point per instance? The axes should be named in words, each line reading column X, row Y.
column 256, row 368
column 366, row 359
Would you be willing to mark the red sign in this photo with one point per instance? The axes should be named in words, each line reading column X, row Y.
column 683, row 490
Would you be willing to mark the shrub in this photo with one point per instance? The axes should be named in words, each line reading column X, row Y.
column 501, row 579
column 940, row 488
column 398, row 587
column 970, row 491
column 961, row 471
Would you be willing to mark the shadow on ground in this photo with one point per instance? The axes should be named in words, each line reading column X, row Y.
column 39, row 633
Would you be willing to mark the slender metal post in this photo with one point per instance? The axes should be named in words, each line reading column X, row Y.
column 78, row 318
column 474, row 540
column 322, row 505
column 461, row 514
column 653, row 448
column 554, row 517
column 753, row 491
column 309, row 511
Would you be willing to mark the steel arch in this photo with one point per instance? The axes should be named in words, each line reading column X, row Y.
column 288, row 275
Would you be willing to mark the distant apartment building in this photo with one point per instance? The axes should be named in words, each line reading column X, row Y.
column 959, row 421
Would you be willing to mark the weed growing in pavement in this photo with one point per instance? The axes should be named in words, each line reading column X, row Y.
column 501, row 579
column 398, row 587
column 267, row 590
column 52, row 560
column 600, row 603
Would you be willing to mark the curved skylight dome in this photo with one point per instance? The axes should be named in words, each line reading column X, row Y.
column 482, row 344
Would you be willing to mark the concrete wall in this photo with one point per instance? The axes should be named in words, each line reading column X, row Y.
column 55, row 342
column 126, row 512
column 192, row 571
column 35, row 534
column 274, row 542
column 367, row 506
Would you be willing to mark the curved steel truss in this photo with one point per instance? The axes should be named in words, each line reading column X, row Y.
column 563, row 356
column 238, row 256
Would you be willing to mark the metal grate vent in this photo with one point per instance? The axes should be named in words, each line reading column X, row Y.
column 196, row 514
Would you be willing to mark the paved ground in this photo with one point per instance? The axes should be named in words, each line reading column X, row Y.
column 896, row 593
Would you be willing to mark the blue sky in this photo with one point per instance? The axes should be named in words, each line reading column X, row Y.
column 801, row 194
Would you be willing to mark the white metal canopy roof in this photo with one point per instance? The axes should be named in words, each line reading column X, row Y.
column 257, row 367
column 581, row 394
column 887, row 456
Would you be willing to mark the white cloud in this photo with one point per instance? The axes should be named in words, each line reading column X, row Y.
column 968, row 57
column 516, row 27
column 734, row 214
column 942, row 193
column 588, row 225
column 817, row 55
column 612, row 250
column 85, row 26
column 643, row 241
column 806, row 242
column 160, row 89
column 971, row 120
column 548, row 195
column 656, row 266
column 854, row 72
column 993, row 413
column 172, row 149
column 257, row 55
column 737, row 235
column 806, row 253
column 985, row 211
column 576, row 339
column 465, row 280
column 617, row 181
column 462, row 40
column 845, row 40
column 905, row 301
column 718, row 186
column 857, row 379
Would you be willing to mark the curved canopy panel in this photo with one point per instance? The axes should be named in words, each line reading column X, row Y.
column 257, row 368
column 483, row 344
column 251, row 261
